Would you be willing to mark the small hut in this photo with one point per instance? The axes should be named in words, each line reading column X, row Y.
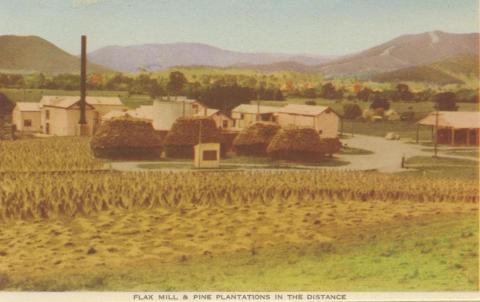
column 207, row 155
column 126, row 138
column 254, row 139
column 296, row 144
column 188, row 132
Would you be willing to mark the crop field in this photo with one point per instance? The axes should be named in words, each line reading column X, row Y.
column 83, row 229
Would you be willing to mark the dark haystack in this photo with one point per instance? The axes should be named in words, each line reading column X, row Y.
column 298, row 144
column 184, row 135
column 126, row 138
column 6, row 105
column 330, row 146
column 254, row 139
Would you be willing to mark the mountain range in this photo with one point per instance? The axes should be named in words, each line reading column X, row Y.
column 404, row 51
column 154, row 57
column 419, row 56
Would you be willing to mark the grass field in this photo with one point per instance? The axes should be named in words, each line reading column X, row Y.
column 425, row 246
column 255, row 231
column 442, row 167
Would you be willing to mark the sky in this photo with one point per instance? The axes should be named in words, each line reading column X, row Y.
column 324, row 27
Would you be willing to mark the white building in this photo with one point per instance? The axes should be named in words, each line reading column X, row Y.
column 321, row 118
column 26, row 117
column 59, row 115
column 246, row 114
column 222, row 120
column 165, row 111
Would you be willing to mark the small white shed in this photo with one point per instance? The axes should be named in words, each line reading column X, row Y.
column 207, row 155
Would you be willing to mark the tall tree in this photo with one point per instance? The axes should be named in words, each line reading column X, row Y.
column 445, row 101
column 176, row 82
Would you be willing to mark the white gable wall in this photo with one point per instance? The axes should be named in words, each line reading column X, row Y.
column 328, row 123
column 19, row 118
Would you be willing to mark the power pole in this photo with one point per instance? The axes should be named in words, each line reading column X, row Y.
column 436, row 135
column 258, row 106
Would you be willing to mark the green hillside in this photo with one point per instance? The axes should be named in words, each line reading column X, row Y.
column 455, row 70
column 27, row 54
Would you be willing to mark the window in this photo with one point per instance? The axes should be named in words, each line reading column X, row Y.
column 27, row 123
column 242, row 116
column 225, row 124
column 210, row 155
column 47, row 114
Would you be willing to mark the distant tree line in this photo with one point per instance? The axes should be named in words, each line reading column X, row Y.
column 226, row 91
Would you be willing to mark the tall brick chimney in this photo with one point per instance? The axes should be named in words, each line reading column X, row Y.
column 82, row 124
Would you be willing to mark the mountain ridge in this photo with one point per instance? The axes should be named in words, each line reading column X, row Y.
column 34, row 54
column 161, row 56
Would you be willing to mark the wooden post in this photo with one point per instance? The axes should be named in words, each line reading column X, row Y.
column 418, row 128
column 453, row 137
column 468, row 137
column 435, row 150
column 341, row 126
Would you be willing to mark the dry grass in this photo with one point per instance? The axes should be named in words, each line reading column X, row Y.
column 53, row 154
column 125, row 238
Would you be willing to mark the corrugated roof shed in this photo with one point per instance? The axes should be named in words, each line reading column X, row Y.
column 309, row 110
column 453, row 119
column 249, row 108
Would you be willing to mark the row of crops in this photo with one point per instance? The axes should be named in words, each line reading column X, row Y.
column 53, row 154
column 32, row 195
column 46, row 196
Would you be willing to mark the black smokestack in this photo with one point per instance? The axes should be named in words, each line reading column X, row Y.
column 83, row 81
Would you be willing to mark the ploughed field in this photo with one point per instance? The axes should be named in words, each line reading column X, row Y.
column 283, row 230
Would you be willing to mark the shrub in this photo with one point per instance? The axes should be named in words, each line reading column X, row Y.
column 379, row 102
column 445, row 101
column 126, row 138
column 254, row 139
column 351, row 111
column 184, row 135
column 296, row 144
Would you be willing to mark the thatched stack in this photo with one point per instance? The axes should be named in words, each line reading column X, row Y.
column 330, row 146
column 126, row 138
column 255, row 139
column 6, row 108
column 297, row 144
column 185, row 134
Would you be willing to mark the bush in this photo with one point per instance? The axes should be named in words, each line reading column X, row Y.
column 184, row 135
column 380, row 102
column 445, row 101
column 300, row 144
column 351, row 111
column 126, row 138
column 254, row 139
